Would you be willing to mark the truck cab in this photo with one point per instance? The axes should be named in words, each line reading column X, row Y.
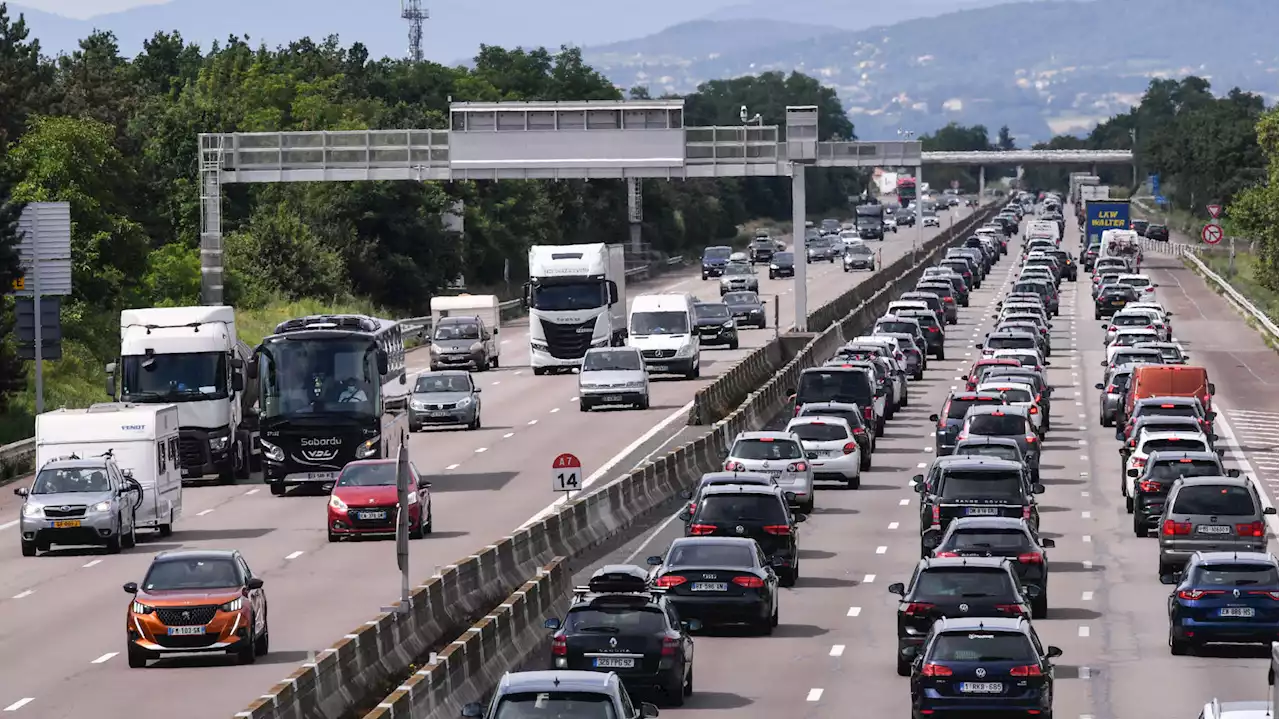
column 576, row 296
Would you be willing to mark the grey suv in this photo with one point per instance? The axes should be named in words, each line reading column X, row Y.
column 1211, row 514
column 79, row 501
column 445, row 397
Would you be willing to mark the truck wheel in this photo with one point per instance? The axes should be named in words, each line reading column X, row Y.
column 166, row 529
column 227, row 471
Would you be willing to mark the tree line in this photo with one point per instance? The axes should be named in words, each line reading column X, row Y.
column 115, row 136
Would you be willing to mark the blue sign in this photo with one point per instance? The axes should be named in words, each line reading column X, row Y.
column 1155, row 185
column 1102, row 215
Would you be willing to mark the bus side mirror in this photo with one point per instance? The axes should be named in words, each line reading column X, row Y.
column 613, row 292
column 383, row 362
column 251, row 367
column 111, row 380
column 237, row 381
column 524, row 295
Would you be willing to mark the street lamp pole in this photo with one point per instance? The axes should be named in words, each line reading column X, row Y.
column 918, row 236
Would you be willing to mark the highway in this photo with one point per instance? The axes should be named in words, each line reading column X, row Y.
column 61, row 613
column 835, row 646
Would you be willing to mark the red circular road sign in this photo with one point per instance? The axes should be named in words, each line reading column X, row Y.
column 1211, row 234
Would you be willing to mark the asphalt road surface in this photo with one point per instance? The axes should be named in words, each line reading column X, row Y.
column 61, row 614
column 835, row 647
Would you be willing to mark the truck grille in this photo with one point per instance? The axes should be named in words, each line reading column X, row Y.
column 569, row 341
column 64, row 511
column 186, row 616
column 192, row 451
column 658, row 354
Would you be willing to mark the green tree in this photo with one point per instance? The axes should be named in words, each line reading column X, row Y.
column 1255, row 213
column 26, row 81
column 12, row 378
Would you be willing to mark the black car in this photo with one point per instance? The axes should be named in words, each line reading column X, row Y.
column 714, row 260
column 940, row 307
column 987, row 667
column 1140, row 227
column 1005, row 537
column 754, row 512
column 952, row 415
column 721, row 580
column 905, row 217
column 890, row 324
column 851, row 413
column 945, row 286
column 747, row 309
column 1159, row 233
column 782, row 265
column 994, row 447
column 935, row 337
column 968, row 486
column 955, row 587
column 1112, row 299
column 1070, row 270
column 841, row 384
column 1163, row 468
column 618, row 624
column 960, row 266
column 715, row 324
column 762, row 249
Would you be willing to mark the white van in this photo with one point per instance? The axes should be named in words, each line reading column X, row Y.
column 662, row 328
column 143, row 440
column 1043, row 228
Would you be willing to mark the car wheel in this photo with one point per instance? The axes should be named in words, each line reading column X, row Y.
column 644, row 402
column 246, row 654
column 688, row 683
column 416, row 532
column 856, row 482
column 130, row 540
column 864, row 462
column 113, row 543
column 1139, row 525
column 1128, row 504
column 1178, row 647
column 1040, row 606
column 904, row 667
column 137, row 657
column 333, row 537
column 788, row 577
column 475, row 423
column 675, row 691
column 28, row 548
column 583, row 406
column 733, row 345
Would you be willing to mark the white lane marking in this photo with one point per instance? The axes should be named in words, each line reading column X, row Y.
column 24, row 593
column 853, row 611
column 869, row 579
column 519, row 371
column 1086, row 596
column 893, row 525
column 481, row 450
column 6, row 525
column 881, row 550
column 608, row 466
column 92, row 563
column 294, row 555
column 508, row 435
column 837, row 650
column 451, row 467
column 1084, row 457
column 203, row 512
column 1084, row 630
column 533, row 422
column 27, row 700
column 1085, row 514
column 904, row 502
column 1085, row 673
column 252, row 491
column 104, row 658
column 1079, row 404
column 554, row 410
column 1087, row 538
column 503, row 342
column 922, row 465
column 814, row 695
column 928, row 449
column 1088, row 565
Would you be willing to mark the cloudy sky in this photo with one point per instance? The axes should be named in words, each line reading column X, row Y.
column 81, row 9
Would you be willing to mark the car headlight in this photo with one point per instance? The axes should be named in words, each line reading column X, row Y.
column 368, row 448
column 32, row 510
column 773, row 267
column 233, row 605
column 639, row 384
column 140, row 608
column 420, row 406
column 337, row 504
column 464, row 402
column 101, row 507
column 730, row 323
column 435, row 349
column 271, row 452
column 540, row 346
column 219, row 444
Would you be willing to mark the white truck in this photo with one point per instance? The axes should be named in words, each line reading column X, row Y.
column 191, row 357
column 142, row 439
column 577, row 299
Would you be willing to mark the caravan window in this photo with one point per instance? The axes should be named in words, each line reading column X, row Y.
column 160, row 455
column 173, row 451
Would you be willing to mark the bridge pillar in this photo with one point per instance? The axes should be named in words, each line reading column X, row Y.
column 982, row 182
column 798, row 249
column 1018, row 179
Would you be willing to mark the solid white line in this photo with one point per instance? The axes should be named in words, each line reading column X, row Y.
column 104, row 658
column 893, row 525
column 203, row 512
column 451, row 467
column 837, row 650
column 92, row 563
column 1087, row 538
column 1084, row 631
column 496, row 382
column 554, row 410
column 854, row 611
column 6, row 525
column 881, row 550
column 814, row 695
column 573, row 399
column 508, row 435
column 294, row 555
column 24, row 593
column 481, row 450
column 869, row 579
column 27, row 700
column 253, row 491
column 1086, row 596
column 533, row 422
column 1085, row 673
column 652, row 536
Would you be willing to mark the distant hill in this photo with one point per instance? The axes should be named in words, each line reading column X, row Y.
column 1040, row 67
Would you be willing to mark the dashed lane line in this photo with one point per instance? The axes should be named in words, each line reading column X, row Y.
column 814, row 695
column 104, row 658
column 92, row 563
column 19, row 704
column 24, row 594
column 853, row 611
column 294, row 555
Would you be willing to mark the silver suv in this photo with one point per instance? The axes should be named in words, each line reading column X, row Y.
column 613, row 375
column 560, row 693
column 779, row 455
column 77, row 501
column 1211, row 514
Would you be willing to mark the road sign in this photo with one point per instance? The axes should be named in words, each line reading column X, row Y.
column 955, row 184
column 1214, row 210
column 19, row 283
column 1211, row 234
column 566, row 473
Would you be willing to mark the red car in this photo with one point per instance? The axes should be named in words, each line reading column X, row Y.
column 363, row 501
column 975, row 372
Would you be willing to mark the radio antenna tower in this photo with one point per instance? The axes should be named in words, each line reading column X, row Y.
column 415, row 13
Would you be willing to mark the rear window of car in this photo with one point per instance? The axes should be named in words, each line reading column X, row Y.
column 741, row 507
column 925, row 320
column 1011, row 343
column 766, row 449
column 910, row 328
column 998, row 451
column 853, row 418
column 720, row 312
column 1188, row 445
column 1176, row 410
column 1148, row 356
column 990, row 540
column 1214, row 499
column 1131, row 321
column 587, row 705
column 820, row 432
column 1178, row 468
column 626, row 620
column 710, row 554
column 962, row 583
column 836, row 386
column 995, row 424
column 1237, row 575
column 958, row 407
column 980, row 484
column 1016, row 394
column 984, row 646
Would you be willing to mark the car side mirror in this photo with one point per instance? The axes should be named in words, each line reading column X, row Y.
column 648, row 710
column 21, row 491
column 383, row 362
column 934, row 418
column 1038, row 489
column 1222, row 452
column 1268, row 510
column 613, row 292
column 898, row 588
column 791, row 496
column 654, row 561
column 1052, row 653
column 424, row 483
column 910, row 653
column 691, row 625
column 685, row 516
column 127, row 473
column 1031, row 591
column 552, row 623
column 1212, row 388
column 1099, row 386
column 800, row 518
column 1103, row 363
column 1211, row 416
column 1233, row 472
column 1048, row 543
column 978, row 345
column 253, row 583
column 131, row 587
column 473, row 710
column 1169, row 578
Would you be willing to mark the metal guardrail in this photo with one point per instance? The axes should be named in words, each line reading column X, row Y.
column 17, row 458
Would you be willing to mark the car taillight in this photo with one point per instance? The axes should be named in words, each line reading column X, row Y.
column 859, row 430
column 1139, row 462
column 948, row 299
column 1031, row 558
column 937, row 513
column 1197, row 593
column 946, row 554
column 935, row 670
column 1029, row 670
column 732, row 466
column 1031, row 439
column 1252, row 529
column 699, row 530
column 559, row 647
column 1111, row 389
column 1033, row 410
column 1133, row 442
column 1273, row 595
column 1147, row 485
column 1172, row 528
column 670, row 645
column 749, row 582
column 798, row 467
column 851, row 447
column 868, row 413
column 932, row 329
column 1015, row 609
column 918, row 608
column 668, row 581
column 780, row 530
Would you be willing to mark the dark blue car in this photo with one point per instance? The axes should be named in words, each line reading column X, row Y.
column 981, row 665
column 948, row 421
column 1223, row 597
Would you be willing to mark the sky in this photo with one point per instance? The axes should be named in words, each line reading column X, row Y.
column 82, row 9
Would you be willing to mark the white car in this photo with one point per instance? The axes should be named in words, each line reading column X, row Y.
column 1146, row 443
column 1156, row 317
column 1141, row 283
column 779, row 455
column 1020, row 394
column 1123, row 320
column 1127, row 337
column 932, row 221
column 831, row 448
column 1026, row 357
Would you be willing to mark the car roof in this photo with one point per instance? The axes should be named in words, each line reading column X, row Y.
column 989, row 440
column 1169, row 400
column 91, row 462
column 756, row 489
column 595, row 350
column 842, row 406
column 974, row 461
column 744, row 477
column 969, row 624
column 736, row 541
column 989, row 523
column 997, row 408
column 818, row 419
column 950, row 562
column 1241, row 557
column 445, row 373
column 176, row 555
column 765, row 434
column 559, row 680
column 1241, row 482
column 1172, row 434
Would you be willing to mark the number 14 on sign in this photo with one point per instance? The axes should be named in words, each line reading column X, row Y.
column 566, row 473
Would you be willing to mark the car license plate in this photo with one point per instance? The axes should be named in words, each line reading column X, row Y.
column 1213, row 529
column 981, row 511
column 776, row 474
column 1117, row 303
column 981, row 687
column 614, row 662
column 66, row 524
column 1236, row 612
column 612, row 398
column 185, row 631
column 325, row 476
column 710, row 586
column 382, row 514
column 658, row 368
column 438, row 414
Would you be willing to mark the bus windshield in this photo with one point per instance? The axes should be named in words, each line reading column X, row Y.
column 324, row 375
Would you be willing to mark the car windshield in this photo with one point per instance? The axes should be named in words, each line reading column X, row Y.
column 712, row 312
column 835, row 386
column 1237, row 575
column 962, row 583
column 628, row 619
column 997, row 424
column 819, row 432
column 926, row 317
column 181, row 377
column 989, row 540
column 1130, row 339
column 1011, row 342
column 71, row 479
column 741, row 298
column 1178, row 468
column 738, row 269
column 555, row 705
column 717, row 253
column 784, row 258
column 1214, row 499
column 766, row 448
column 1176, row 443
column 458, row 331
column 569, row 296
column 659, row 323
column 179, row 574
column 710, row 554
column 428, row 383
column 981, row 484
column 997, row 451
column 741, row 507
column 614, row 360
column 382, row 474
column 982, row 647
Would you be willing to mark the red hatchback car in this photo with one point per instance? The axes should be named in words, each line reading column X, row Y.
column 363, row 501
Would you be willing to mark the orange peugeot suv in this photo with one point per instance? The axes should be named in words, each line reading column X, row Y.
column 197, row 601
